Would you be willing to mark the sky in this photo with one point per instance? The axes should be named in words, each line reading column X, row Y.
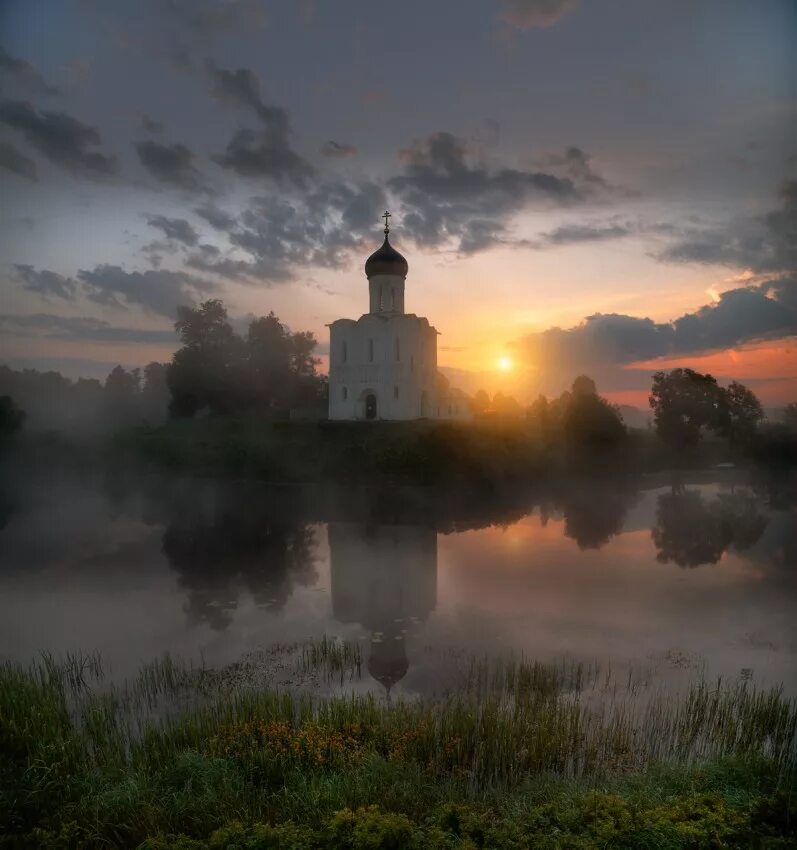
column 599, row 186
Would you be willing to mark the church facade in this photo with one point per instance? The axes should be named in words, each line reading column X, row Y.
column 384, row 364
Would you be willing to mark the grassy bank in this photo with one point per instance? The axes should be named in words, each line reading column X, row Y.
column 518, row 754
column 421, row 452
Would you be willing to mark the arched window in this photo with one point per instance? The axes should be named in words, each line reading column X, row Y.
column 412, row 363
column 345, row 352
column 379, row 306
column 395, row 392
column 370, row 351
column 398, row 350
column 345, row 393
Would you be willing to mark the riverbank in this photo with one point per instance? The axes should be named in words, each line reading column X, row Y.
column 520, row 753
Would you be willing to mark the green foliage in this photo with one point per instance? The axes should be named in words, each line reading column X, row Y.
column 686, row 403
column 222, row 372
column 11, row 418
column 512, row 760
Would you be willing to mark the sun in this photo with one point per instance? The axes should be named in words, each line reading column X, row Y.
column 504, row 363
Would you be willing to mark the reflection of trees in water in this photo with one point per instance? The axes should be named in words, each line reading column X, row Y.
column 691, row 530
column 595, row 514
column 219, row 542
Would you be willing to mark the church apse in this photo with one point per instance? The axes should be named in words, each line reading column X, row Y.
column 384, row 577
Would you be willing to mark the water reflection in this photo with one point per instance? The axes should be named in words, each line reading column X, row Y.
column 691, row 530
column 220, row 541
column 135, row 567
column 383, row 577
column 595, row 514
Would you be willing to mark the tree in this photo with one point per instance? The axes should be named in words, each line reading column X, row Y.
column 790, row 415
column 539, row 414
column 480, row 402
column 588, row 420
column 740, row 412
column 155, row 391
column 11, row 418
column 207, row 371
column 684, row 402
column 218, row 370
column 506, row 405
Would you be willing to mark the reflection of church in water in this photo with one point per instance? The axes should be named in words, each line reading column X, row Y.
column 384, row 577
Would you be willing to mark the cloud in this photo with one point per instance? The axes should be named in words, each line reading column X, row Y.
column 15, row 162
column 215, row 216
column 337, row 150
column 280, row 235
column 171, row 164
column 80, row 328
column 569, row 234
column 448, row 194
column 177, row 229
column 46, row 283
column 25, row 75
column 175, row 31
column 63, row 140
column 531, row 14
column 605, row 341
column 151, row 125
column 263, row 153
column 767, row 244
column 157, row 290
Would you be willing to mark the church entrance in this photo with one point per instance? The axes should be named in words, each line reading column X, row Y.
column 370, row 406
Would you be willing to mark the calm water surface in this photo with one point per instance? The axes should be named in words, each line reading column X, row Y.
column 674, row 579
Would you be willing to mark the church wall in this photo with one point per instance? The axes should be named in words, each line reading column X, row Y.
column 364, row 359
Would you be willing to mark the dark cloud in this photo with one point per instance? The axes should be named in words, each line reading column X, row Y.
column 215, row 216
column 80, row 328
column 569, row 234
column 25, row 75
column 742, row 315
column 280, row 235
column 530, row 14
column 46, row 283
column 337, row 150
column 764, row 245
column 157, row 290
column 573, row 163
column 61, row 139
column 171, row 164
column 151, row 125
column 264, row 153
column 177, row 229
column 15, row 162
column 448, row 194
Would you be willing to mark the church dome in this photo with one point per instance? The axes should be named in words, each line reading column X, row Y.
column 386, row 260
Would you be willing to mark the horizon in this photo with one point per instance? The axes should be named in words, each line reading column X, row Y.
column 600, row 189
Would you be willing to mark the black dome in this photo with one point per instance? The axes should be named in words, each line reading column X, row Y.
column 386, row 260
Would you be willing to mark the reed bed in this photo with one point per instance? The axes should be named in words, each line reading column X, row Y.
column 512, row 719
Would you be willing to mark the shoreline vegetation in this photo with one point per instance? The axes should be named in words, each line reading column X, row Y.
column 279, row 751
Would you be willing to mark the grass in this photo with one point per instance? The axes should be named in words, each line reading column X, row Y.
column 519, row 754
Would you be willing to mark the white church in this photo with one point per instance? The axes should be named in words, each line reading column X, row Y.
column 384, row 364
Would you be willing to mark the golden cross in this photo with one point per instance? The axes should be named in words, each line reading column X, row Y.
column 386, row 216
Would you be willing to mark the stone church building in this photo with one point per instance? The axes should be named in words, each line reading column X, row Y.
column 384, row 364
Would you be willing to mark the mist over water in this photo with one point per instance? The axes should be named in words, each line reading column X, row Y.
column 674, row 579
